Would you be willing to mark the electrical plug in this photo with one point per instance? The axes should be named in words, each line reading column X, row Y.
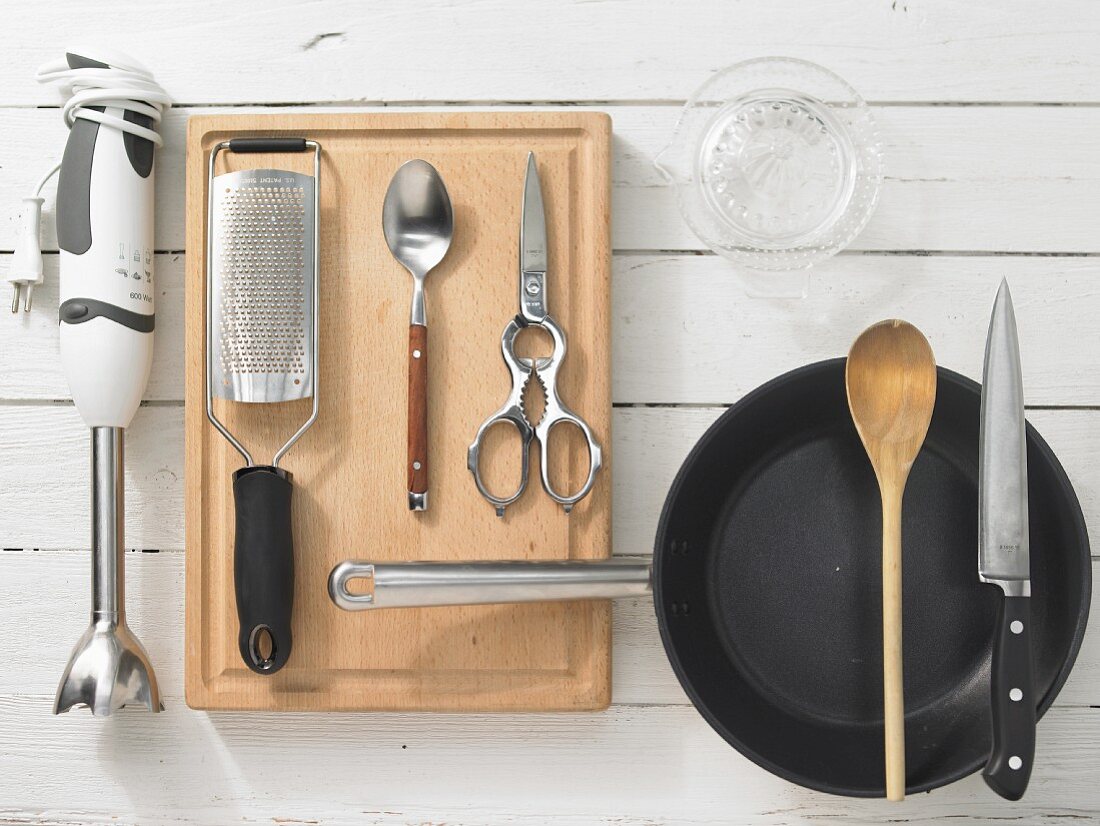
column 25, row 272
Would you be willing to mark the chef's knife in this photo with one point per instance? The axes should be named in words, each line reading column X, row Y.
column 1003, row 552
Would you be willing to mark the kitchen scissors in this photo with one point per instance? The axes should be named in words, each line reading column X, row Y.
column 533, row 313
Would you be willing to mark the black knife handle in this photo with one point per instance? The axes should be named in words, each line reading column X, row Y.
column 1013, row 701
column 263, row 566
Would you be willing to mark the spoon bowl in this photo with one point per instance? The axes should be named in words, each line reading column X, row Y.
column 891, row 380
column 891, row 384
column 417, row 218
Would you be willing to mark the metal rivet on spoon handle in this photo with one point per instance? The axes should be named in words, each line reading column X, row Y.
column 891, row 384
column 418, row 223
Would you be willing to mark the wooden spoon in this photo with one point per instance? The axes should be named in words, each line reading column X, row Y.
column 891, row 381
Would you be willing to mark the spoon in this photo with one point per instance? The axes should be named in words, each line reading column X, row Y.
column 891, row 382
column 418, row 224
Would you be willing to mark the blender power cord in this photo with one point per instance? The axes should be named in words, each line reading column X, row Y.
column 132, row 89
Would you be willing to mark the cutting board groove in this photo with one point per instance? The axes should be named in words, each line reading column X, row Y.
column 349, row 470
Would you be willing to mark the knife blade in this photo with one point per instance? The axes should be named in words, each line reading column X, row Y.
column 1004, row 557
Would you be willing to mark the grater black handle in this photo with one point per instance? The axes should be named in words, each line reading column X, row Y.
column 263, row 566
column 267, row 145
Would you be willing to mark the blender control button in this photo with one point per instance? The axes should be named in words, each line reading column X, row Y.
column 74, row 311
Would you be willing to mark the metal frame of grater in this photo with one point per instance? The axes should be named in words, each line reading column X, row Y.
column 263, row 548
column 247, row 145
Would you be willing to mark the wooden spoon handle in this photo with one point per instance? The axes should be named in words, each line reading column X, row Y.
column 417, row 455
column 893, row 693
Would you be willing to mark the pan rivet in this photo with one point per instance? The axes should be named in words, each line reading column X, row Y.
column 1015, row 695
column 1016, row 627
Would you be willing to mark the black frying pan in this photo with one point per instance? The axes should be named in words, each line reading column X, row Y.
column 767, row 586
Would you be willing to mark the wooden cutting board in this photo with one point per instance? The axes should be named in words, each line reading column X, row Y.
column 349, row 469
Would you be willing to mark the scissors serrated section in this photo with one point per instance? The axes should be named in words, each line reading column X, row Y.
column 555, row 412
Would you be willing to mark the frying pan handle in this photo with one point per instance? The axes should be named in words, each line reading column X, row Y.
column 1013, row 701
column 422, row 584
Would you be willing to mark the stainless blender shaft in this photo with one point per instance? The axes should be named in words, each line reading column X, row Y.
column 108, row 668
column 108, row 580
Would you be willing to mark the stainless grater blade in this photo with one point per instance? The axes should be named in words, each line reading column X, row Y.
column 262, row 285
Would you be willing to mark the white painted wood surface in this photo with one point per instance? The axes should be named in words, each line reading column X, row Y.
column 985, row 178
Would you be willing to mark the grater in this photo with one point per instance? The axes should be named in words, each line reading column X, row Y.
column 261, row 348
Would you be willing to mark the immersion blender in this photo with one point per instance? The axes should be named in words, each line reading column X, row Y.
column 105, row 234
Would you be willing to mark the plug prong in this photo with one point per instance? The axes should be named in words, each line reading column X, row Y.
column 15, row 298
column 27, row 300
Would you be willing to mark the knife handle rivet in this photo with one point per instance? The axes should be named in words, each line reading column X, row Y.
column 1015, row 762
column 1015, row 695
column 1016, row 627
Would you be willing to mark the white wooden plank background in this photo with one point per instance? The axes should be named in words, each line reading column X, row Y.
column 989, row 115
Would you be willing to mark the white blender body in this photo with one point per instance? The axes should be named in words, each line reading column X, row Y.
column 107, row 291
column 105, row 233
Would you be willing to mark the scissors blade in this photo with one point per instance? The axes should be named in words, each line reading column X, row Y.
column 532, row 247
column 1003, row 556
